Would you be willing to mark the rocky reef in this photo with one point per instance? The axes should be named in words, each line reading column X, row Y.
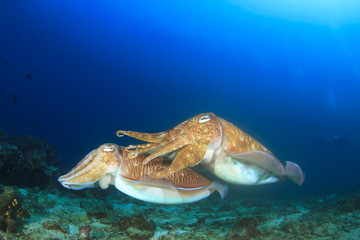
column 12, row 211
column 27, row 161
column 108, row 214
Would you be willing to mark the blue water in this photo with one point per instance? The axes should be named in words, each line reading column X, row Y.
column 290, row 80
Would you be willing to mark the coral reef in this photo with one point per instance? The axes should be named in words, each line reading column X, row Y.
column 84, row 232
column 12, row 212
column 27, row 161
column 244, row 228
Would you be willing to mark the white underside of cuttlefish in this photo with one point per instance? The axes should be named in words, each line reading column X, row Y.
column 252, row 168
column 109, row 165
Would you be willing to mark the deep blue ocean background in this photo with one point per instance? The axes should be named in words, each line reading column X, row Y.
column 75, row 72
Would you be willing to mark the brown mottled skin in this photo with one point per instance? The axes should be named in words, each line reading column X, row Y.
column 133, row 169
column 95, row 164
column 237, row 141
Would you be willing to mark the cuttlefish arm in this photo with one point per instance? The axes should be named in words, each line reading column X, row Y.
column 190, row 139
column 156, row 140
column 95, row 169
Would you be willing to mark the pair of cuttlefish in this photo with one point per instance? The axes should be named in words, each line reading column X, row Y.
column 159, row 172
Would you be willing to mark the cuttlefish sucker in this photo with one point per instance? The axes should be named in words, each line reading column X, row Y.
column 96, row 167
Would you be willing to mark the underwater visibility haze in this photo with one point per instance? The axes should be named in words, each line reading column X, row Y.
column 287, row 73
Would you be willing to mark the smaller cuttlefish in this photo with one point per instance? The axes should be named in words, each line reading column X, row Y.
column 110, row 165
column 219, row 146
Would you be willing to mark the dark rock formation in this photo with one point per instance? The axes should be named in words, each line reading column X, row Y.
column 27, row 161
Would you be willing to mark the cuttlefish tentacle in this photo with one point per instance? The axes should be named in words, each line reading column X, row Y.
column 188, row 156
column 144, row 148
column 161, row 139
column 156, row 137
column 177, row 144
column 135, row 150
column 147, row 137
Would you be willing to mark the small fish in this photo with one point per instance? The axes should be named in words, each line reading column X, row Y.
column 44, row 94
column 28, row 76
column 14, row 98
column 5, row 63
column 1, row 92
column 39, row 119
column 35, row 126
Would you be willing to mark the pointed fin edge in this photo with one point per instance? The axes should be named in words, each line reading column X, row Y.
column 220, row 188
column 294, row 173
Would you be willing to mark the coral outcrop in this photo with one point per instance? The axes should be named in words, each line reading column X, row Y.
column 27, row 161
column 12, row 211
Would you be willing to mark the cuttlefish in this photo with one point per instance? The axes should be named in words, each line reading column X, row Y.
column 219, row 146
column 109, row 165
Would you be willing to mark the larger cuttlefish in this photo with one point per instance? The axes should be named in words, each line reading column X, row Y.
column 221, row 147
column 109, row 164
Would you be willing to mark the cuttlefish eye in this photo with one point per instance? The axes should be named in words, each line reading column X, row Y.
column 204, row 118
column 108, row 148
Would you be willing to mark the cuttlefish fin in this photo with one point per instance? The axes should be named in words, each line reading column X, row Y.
column 294, row 173
column 166, row 183
column 159, row 183
column 261, row 159
column 220, row 188
column 189, row 156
